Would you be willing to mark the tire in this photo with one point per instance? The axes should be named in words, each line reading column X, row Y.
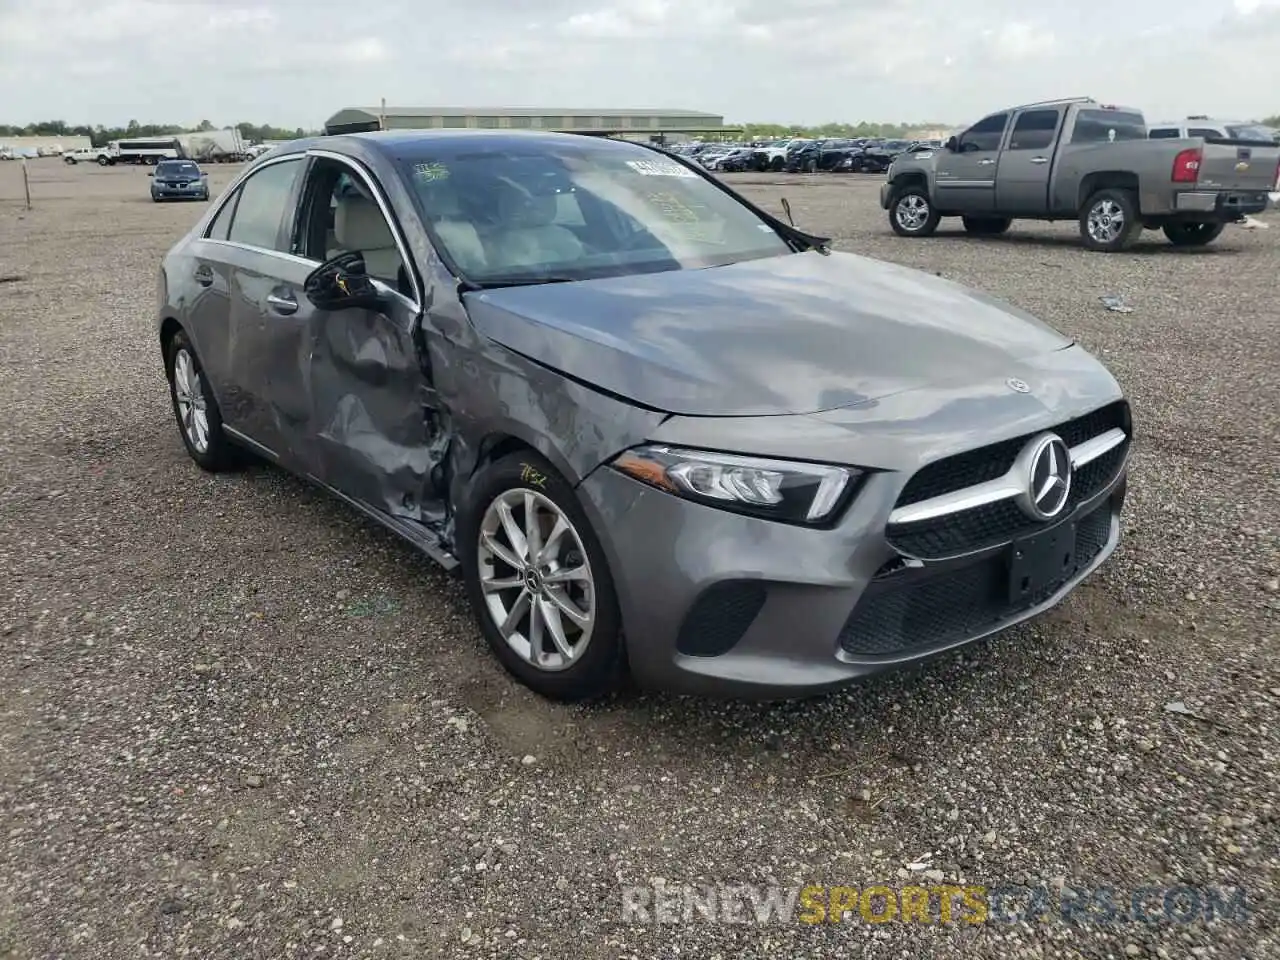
column 216, row 454
column 1193, row 234
column 70, row 160
column 104, row 161
column 599, row 667
column 986, row 226
column 911, row 213
column 811, row 167
column 1103, row 210
column 776, row 164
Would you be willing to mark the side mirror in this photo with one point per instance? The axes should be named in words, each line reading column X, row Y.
column 342, row 284
column 952, row 144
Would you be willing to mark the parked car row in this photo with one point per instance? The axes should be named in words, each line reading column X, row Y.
column 804, row 155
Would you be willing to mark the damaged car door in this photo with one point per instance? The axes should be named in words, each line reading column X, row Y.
column 371, row 400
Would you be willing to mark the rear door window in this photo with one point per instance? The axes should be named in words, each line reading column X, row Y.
column 1034, row 130
column 266, row 199
column 1166, row 133
column 220, row 228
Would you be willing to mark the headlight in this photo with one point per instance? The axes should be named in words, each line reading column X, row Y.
column 785, row 490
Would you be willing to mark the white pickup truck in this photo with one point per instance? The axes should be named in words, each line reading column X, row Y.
column 98, row 155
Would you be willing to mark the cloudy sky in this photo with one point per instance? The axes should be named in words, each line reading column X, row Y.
column 294, row 62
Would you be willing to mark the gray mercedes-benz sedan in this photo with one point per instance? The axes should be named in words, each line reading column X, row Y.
column 657, row 430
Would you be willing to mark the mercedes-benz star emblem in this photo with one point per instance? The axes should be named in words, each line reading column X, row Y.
column 1018, row 386
column 1046, row 464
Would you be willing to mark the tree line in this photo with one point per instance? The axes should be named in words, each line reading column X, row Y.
column 100, row 136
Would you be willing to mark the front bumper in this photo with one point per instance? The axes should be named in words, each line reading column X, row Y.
column 192, row 191
column 886, row 194
column 719, row 604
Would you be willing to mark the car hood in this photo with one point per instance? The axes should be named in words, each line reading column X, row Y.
column 800, row 333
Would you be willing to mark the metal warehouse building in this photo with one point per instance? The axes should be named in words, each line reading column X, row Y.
column 659, row 125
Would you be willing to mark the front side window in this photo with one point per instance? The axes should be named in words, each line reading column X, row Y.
column 579, row 211
column 263, row 205
column 342, row 216
column 984, row 136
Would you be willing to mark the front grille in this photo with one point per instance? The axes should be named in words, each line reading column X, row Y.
column 987, row 463
column 916, row 613
column 719, row 617
column 995, row 523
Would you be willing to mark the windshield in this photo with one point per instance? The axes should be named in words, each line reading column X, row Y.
column 1251, row 131
column 548, row 210
column 178, row 170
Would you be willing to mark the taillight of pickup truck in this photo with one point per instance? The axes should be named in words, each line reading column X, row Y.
column 1186, row 165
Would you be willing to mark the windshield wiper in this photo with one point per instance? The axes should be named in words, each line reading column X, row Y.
column 496, row 283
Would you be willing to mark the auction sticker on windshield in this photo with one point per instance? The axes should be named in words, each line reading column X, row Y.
column 660, row 168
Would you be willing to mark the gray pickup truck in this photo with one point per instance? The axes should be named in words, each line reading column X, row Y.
column 1081, row 160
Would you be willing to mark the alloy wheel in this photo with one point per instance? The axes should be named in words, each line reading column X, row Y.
column 188, row 393
column 1106, row 221
column 912, row 212
column 536, row 579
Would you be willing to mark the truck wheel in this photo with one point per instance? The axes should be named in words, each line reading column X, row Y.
column 986, row 226
column 1109, row 221
column 1193, row 234
column 911, row 214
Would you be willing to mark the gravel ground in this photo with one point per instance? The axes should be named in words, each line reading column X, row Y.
column 238, row 721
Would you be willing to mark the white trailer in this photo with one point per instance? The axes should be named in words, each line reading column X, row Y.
column 214, row 146
column 149, row 151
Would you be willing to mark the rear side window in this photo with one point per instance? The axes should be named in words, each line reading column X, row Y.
column 1203, row 132
column 264, row 201
column 1034, row 130
column 1166, row 133
column 1104, row 126
column 221, row 225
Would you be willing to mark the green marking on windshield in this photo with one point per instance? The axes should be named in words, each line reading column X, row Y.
column 430, row 172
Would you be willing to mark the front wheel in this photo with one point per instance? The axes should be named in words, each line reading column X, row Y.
column 986, row 226
column 911, row 214
column 70, row 160
column 538, row 580
column 1193, row 234
column 1109, row 221
column 776, row 164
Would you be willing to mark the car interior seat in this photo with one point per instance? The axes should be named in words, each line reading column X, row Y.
column 358, row 224
column 528, row 235
column 458, row 234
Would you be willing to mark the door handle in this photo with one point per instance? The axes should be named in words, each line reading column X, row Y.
column 285, row 305
column 986, row 162
column 204, row 276
column 1039, row 159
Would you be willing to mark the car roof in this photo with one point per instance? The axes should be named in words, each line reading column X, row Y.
column 394, row 143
